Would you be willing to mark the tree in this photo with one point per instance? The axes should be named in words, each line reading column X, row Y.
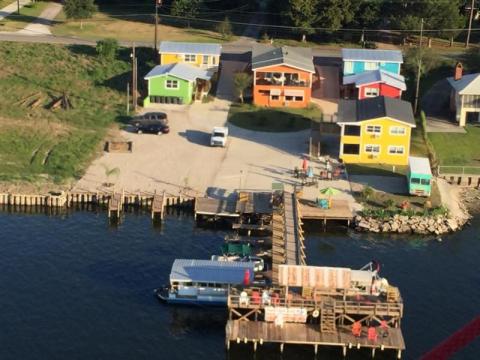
column 109, row 172
column 225, row 29
column 79, row 10
column 304, row 15
column 472, row 59
column 107, row 49
column 186, row 8
column 333, row 14
column 241, row 82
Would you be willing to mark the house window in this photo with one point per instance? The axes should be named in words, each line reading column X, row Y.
column 348, row 67
column 171, row 84
column 205, row 59
column 214, row 60
column 298, row 98
column 371, row 92
column 190, row 58
column 397, row 130
column 369, row 65
column 351, row 130
column 372, row 149
column 289, row 98
column 351, row 149
column 275, row 97
column 374, row 129
column 396, row 150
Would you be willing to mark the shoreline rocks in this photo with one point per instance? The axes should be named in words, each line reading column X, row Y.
column 403, row 224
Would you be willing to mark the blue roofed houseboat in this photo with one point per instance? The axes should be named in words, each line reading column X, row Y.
column 204, row 282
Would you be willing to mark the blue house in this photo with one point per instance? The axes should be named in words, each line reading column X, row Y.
column 356, row 61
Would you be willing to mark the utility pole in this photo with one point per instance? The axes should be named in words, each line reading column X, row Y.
column 134, row 78
column 18, row 7
column 158, row 3
column 419, row 70
column 467, row 41
column 128, row 98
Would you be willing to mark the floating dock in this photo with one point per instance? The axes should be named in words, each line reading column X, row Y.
column 339, row 210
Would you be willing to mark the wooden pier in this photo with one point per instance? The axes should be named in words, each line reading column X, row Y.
column 340, row 210
column 158, row 205
column 260, row 332
column 287, row 237
column 115, row 205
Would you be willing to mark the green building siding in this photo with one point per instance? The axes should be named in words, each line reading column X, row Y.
column 157, row 87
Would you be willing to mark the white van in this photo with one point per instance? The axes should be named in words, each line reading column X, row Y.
column 219, row 136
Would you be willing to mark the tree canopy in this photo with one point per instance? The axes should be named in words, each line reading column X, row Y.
column 79, row 9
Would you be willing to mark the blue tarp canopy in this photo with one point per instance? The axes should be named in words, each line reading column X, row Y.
column 209, row 271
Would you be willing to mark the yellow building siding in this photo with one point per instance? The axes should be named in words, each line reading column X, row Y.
column 377, row 148
column 210, row 61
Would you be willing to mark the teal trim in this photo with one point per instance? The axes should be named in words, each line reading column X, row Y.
column 419, row 188
column 359, row 67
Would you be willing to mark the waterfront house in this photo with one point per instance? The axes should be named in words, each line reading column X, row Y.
column 375, row 130
column 465, row 96
column 356, row 61
column 373, row 83
column 176, row 84
column 282, row 76
column 202, row 55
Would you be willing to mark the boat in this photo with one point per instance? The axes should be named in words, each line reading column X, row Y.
column 204, row 282
column 257, row 260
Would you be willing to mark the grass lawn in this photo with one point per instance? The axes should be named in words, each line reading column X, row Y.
column 103, row 26
column 379, row 199
column 251, row 117
column 39, row 143
column 458, row 149
column 376, row 169
column 4, row 3
column 28, row 13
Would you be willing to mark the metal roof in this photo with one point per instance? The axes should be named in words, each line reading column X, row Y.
column 376, row 76
column 467, row 85
column 373, row 108
column 372, row 55
column 300, row 58
column 180, row 70
column 419, row 165
column 189, row 48
column 220, row 272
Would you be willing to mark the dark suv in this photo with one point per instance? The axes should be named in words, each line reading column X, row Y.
column 152, row 123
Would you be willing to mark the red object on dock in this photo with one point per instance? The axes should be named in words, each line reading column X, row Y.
column 246, row 277
column 255, row 298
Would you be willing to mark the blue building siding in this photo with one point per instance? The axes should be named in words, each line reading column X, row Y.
column 359, row 67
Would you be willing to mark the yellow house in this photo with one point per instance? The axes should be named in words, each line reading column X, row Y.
column 203, row 55
column 375, row 131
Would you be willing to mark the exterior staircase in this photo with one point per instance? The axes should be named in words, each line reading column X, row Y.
column 327, row 316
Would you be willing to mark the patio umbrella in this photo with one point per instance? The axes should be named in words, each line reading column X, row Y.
column 330, row 191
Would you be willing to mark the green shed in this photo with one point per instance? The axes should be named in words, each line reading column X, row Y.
column 419, row 176
column 175, row 84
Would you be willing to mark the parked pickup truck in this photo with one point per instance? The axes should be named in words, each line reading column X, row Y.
column 219, row 136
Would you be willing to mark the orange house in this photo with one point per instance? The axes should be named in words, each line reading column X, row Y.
column 282, row 76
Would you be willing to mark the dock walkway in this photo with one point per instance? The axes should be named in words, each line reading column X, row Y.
column 309, row 334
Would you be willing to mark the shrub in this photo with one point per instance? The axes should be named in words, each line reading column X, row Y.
column 107, row 49
column 367, row 192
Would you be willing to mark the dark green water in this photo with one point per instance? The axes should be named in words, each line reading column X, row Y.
column 72, row 287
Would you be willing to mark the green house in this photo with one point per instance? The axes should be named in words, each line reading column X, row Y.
column 176, row 84
column 419, row 176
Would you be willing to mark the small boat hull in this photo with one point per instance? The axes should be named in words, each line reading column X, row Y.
column 164, row 295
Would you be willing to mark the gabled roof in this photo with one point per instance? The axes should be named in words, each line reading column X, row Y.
column 467, row 85
column 299, row 58
column 372, row 55
column 419, row 165
column 189, row 48
column 220, row 272
column 374, row 108
column 179, row 70
column 376, row 76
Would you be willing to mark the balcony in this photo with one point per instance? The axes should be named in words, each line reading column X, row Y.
column 281, row 79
